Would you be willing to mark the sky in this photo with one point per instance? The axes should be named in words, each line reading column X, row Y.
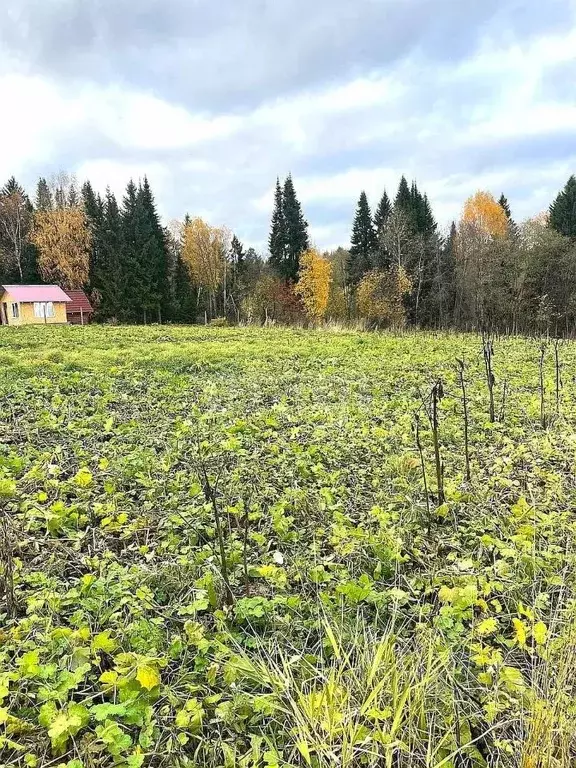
column 212, row 100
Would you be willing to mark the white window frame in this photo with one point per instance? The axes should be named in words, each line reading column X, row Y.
column 44, row 309
column 15, row 310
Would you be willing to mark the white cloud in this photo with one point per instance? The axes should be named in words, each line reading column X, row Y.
column 444, row 124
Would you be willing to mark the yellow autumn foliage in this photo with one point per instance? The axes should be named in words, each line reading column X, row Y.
column 204, row 253
column 313, row 286
column 63, row 240
column 485, row 215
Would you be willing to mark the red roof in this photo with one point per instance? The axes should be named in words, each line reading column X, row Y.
column 78, row 301
column 30, row 293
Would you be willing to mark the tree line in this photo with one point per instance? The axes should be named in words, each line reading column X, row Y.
column 487, row 271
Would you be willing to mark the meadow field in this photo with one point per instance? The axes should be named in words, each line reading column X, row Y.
column 252, row 548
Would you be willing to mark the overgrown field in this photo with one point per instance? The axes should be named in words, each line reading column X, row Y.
column 217, row 550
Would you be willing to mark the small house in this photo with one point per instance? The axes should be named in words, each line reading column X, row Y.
column 32, row 304
column 78, row 310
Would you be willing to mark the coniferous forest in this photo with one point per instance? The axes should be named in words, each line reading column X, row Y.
column 399, row 268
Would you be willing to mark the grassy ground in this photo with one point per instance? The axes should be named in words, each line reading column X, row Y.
column 217, row 549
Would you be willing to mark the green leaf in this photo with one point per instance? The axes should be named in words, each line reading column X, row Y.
column 114, row 738
column 101, row 712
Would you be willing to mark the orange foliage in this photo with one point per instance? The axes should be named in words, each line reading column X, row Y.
column 63, row 240
column 485, row 215
column 313, row 286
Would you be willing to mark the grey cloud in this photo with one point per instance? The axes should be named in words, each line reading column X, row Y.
column 230, row 55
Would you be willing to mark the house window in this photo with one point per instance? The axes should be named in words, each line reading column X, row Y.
column 44, row 309
column 15, row 309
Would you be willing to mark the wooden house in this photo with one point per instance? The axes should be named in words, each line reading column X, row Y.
column 32, row 304
column 79, row 311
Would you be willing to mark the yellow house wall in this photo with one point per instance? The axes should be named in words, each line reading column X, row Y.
column 27, row 313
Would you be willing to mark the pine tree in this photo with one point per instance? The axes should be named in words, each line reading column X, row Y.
column 363, row 241
column 296, row 230
column 44, row 200
column 277, row 238
column 563, row 210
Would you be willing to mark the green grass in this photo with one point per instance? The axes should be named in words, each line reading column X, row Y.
column 363, row 624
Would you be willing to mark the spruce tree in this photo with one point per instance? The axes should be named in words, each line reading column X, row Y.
column 44, row 200
column 12, row 186
column 237, row 253
column 404, row 198
column 363, row 242
column 109, row 277
column 60, row 200
column 186, row 296
column 426, row 224
column 94, row 210
column 563, row 210
column 296, row 229
column 129, row 256
column 277, row 238
column 381, row 258
column 512, row 226
column 151, row 262
column 73, row 198
column 505, row 205
column 382, row 212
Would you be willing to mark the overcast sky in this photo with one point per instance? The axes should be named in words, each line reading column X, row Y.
column 212, row 99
